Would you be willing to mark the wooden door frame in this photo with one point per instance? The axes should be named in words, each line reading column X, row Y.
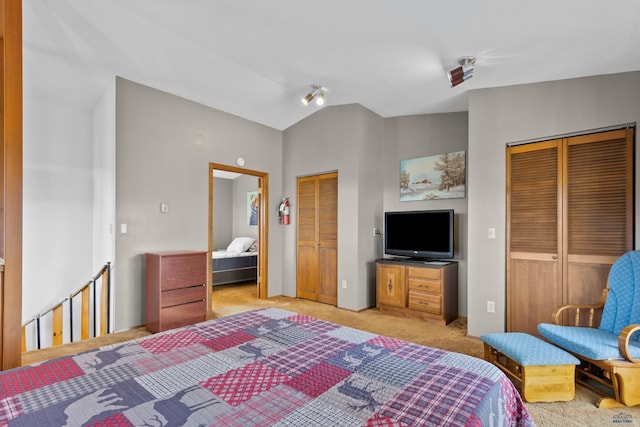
column 11, row 176
column 263, row 226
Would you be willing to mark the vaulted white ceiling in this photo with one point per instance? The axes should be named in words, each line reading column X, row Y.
column 257, row 58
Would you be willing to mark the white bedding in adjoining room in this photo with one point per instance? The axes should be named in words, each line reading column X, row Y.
column 223, row 253
column 240, row 246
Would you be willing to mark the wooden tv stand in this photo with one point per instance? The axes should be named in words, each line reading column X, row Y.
column 419, row 289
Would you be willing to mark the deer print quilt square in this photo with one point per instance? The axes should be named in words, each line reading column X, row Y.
column 268, row 367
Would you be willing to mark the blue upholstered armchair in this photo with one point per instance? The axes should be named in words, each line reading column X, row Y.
column 609, row 353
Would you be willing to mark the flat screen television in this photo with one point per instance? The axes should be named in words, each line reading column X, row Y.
column 424, row 235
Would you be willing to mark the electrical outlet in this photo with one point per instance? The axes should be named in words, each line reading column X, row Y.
column 344, row 284
column 375, row 232
column 491, row 306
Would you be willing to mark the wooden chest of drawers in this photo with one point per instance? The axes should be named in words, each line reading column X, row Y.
column 425, row 289
column 176, row 289
column 428, row 290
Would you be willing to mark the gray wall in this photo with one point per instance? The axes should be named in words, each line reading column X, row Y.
column 58, row 196
column 222, row 212
column 164, row 144
column 242, row 185
column 104, row 180
column 505, row 115
column 230, row 209
column 370, row 202
column 420, row 136
column 347, row 139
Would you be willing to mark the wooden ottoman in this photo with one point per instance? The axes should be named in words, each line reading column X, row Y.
column 545, row 373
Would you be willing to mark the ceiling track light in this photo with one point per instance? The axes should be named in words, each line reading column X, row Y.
column 317, row 93
column 463, row 72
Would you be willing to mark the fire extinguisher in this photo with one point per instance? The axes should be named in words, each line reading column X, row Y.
column 283, row 211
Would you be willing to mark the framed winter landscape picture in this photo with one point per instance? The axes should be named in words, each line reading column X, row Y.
column 435, row 177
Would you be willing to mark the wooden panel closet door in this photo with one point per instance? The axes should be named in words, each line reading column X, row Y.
column 317, row 249
column 534, row 241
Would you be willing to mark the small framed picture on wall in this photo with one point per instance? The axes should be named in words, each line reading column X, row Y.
column 252, row 207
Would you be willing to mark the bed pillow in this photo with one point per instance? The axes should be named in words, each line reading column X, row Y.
column 240, row 244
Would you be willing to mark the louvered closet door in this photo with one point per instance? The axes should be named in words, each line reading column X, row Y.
column 587, row 200
column 317, row 247
column 306, row 268
column 599, row 210
column 534, row 234
column 328, row 239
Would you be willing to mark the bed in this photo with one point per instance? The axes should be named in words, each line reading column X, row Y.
column 237, row 263
column 261, row 368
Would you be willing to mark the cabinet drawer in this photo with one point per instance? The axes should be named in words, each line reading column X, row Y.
column 424, row 272
column 182, row 315
column 183, row 270
column 422, row 285
column 182, row 296
column 425, row 302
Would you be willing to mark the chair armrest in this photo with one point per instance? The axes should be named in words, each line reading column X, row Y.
column 576, row 312
column 623, row 341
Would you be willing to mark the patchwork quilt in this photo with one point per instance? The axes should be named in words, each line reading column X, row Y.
column 267, row 367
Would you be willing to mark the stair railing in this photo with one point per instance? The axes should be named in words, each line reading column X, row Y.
column 89, row 319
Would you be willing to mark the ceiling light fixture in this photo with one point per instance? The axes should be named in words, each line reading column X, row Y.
column 317, row 93
column 463, row 72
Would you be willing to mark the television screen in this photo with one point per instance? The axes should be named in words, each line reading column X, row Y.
column 419, row 234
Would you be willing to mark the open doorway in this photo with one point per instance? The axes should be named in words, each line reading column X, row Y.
column 257, row 212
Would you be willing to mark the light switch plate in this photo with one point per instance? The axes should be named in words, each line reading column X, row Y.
column 491, row 233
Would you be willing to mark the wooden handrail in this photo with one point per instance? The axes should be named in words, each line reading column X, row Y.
column 88, row 312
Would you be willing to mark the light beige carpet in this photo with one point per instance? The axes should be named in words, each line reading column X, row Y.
column 238, row 298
